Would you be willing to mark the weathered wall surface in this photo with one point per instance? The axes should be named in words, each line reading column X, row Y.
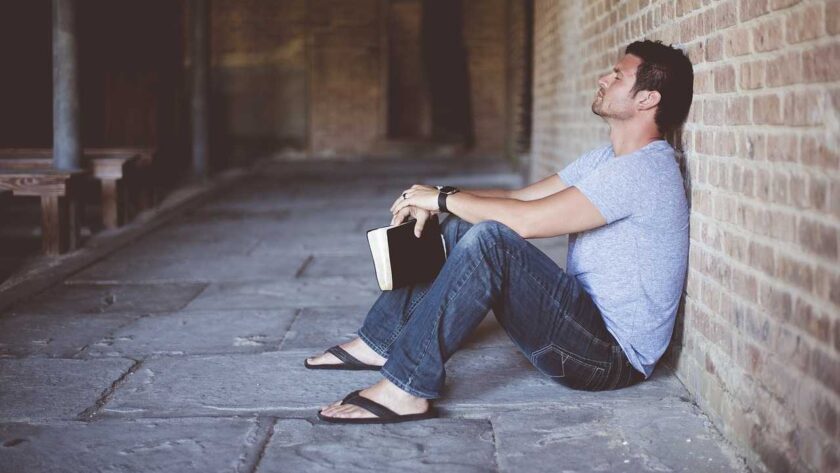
column 311, row 77
column 758, row 342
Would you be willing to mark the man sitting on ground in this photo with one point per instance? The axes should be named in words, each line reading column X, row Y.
column 601, row 324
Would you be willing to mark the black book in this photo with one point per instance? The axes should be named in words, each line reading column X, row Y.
column 400, row 258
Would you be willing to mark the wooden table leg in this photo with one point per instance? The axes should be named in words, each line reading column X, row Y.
column 111, row 203
column 54, row 224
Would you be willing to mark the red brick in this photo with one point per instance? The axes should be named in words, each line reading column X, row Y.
column 834, row 198
column 782, row 226
column 796, row 273
column 726, row 14
column 753, row 146
column 815, row 152
column 782, row 147
column 804, row 108
column 832, row 17
column 713, row 111
column 817, row 197
column 804, row 23
column 821, row 63
column 784, row 69
column 826, row 369
column 725, row 79
column 745, row 285
column 751, row 75
column 714, row 48
column 799, row 191
column 817, row 237
column 768, row 36
column 725, row 144
column 736, row 42
column 762, row 257
column 780, row 187
column 702, row 82
column 767, row 110
column 752, row 8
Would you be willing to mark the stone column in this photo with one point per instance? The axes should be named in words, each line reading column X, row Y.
column 199, row 75
column 67, row 146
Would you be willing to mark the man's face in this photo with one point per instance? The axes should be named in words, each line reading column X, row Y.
column 613, row 98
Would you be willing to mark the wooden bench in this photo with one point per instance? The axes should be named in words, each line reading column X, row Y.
column 59, row 209
column 109, row 168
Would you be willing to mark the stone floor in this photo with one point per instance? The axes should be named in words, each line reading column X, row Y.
column 183, row 353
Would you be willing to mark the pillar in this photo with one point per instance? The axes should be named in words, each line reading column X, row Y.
column 200, row 72
column 67, row 147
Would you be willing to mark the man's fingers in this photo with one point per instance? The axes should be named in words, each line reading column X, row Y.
column 421, row 222
column 400, row 216
column 400, row 198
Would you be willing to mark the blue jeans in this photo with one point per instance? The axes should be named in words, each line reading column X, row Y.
column 546, row 312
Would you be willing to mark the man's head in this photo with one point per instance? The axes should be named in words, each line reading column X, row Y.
column 651, row 79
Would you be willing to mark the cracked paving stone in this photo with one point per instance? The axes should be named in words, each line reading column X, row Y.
column 633, row 438
column 55, row 335
column 320, row 292
column 440, row 445
column 160, row 445
column 45, row 388
column 191, row 332
column 111, row 298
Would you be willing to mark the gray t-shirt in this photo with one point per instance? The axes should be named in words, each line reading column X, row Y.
column 634, row 266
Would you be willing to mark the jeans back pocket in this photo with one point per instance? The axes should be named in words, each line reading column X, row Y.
column 566, row 368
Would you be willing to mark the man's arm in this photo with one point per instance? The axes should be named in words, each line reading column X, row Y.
column 561, row 213
column 548, row 186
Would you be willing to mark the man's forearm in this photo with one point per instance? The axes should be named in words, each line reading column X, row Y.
column 503, row 193
column 474, row 209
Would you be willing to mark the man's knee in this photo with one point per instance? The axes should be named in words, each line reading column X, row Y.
column 488, row 231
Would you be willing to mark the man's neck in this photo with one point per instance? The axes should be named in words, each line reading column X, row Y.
column 626, row 140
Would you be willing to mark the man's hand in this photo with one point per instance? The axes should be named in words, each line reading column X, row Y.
column 418, row 195
column 421, row 215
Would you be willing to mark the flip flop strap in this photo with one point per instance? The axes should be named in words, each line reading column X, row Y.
column 371, row 406
column 345, row 357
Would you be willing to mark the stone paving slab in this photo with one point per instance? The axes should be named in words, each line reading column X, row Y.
column 42, row 388
column 316, row 329
column 596, row 437
column 198, row 332
column 210, row 268
column 357, row 266
column 277, row 382
column 321, row 292
column 111, row 298
column 55, row 335
column 440, row 445
column 147, row 445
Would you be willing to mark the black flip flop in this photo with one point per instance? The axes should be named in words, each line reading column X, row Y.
column 349, row 362
column 384, row 415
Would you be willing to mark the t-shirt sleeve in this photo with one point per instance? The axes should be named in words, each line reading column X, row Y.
column 580, row 167
column 616, row 188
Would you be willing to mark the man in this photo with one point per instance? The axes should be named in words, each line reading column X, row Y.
column 601, row 324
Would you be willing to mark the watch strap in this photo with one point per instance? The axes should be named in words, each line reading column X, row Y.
column 442, row 202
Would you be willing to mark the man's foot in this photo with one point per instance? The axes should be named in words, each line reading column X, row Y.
column 385, row 393
column 357, row 348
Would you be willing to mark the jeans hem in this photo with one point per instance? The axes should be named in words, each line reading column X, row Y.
column 405, row 386
column 373, row 346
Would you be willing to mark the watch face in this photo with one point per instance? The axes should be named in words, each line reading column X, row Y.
column 448, row 189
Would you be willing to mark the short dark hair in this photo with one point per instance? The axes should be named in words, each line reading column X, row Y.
column 668, row 71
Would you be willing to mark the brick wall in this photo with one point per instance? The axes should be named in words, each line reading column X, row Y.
column 758, row 336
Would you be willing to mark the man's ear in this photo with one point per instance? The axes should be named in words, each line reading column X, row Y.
column 649, row 99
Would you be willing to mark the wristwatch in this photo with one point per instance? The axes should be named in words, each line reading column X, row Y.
column 444, row 192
